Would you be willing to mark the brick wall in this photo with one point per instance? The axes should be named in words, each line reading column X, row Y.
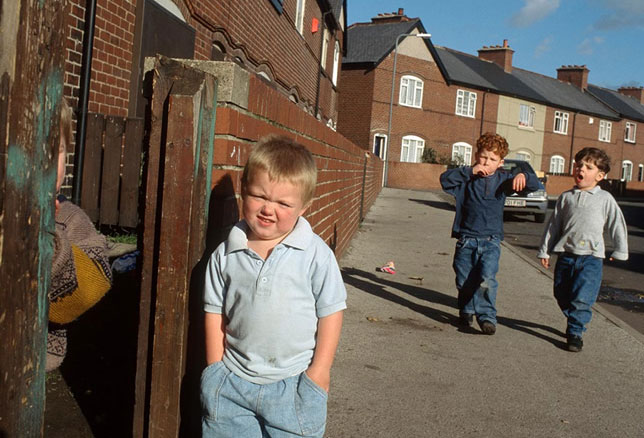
column 414, row 176
column 349, row 179
column 111, row 58
column 436, row 122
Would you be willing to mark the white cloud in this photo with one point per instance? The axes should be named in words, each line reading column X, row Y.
column 533, row 11
column 544, row 47
column 620, row 14
column 587, row 46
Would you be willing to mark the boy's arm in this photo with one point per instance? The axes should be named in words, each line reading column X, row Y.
column 550, row 235
column 328, row 336
column 616, row 225
column 453, row 178
column 215, row 337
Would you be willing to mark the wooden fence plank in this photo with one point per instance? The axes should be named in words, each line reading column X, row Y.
column 111, row 172
column 131, row 173
column 32, row 72
column 92, row 164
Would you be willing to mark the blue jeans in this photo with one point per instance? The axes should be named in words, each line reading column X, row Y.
column 476, row 262
column 576, row 286
column 236, row 408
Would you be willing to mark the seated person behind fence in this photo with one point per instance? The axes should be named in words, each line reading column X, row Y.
column 274, row 297
column 80, row 274
column 480, row 193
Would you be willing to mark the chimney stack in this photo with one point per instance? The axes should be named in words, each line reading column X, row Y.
column 635, row 92
column 501, row 55
column 391, row 17
column 577, row 75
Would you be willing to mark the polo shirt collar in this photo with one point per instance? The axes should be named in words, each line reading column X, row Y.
column 592, row 191
column 299, row 238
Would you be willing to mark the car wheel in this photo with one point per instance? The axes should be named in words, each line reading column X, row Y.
column 540, row 217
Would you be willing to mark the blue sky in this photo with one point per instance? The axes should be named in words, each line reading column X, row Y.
column 605, row 35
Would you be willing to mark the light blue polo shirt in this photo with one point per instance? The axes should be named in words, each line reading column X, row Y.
column 272, row 306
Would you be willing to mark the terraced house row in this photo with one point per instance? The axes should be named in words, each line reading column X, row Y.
column 444, row 99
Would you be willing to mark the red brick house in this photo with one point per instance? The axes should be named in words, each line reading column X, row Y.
column 296, row 45
column 457, row 96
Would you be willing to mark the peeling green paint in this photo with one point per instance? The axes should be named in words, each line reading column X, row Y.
column 18, row 167
column 211, row 147
column 49, row 95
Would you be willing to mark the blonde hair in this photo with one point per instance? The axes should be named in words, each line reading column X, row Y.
column 284, row 160
column 493, row 143
column 65, row 125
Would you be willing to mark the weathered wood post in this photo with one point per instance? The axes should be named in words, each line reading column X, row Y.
column 175, row 220
column 31, row 86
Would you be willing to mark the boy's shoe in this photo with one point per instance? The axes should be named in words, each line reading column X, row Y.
column 488, row 328
column 575, row 343
column 466, row 319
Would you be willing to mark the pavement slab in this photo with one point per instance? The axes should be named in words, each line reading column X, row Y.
column 405, row 369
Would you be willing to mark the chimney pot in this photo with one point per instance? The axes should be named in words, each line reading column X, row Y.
column 505, row 43
column 401, row 11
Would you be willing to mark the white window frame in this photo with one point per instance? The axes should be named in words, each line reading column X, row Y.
column 336, row 62
column 630, row 132
column 299, row 15
column 561, row 123
column 627, row 170
column 412, row 144
column 523, row 156
column 411, row 91
column 640, row 173
column 383, row 150
column 557, row 164
column 605, row 128
column 527, row 114
column 466, row 103
column 325, row 48
column 462, row 153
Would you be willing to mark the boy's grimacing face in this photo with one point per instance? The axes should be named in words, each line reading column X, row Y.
column 489, row 160
column 587, row 174
column 271, row 208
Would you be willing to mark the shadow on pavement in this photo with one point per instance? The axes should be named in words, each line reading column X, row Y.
column 435, row 204
column 373, row 284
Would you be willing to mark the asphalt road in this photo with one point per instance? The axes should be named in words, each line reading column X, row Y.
column 622, row 291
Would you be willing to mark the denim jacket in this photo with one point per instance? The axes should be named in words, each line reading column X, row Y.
column 480, row 200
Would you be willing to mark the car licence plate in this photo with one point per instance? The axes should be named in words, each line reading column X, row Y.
column 514, row 202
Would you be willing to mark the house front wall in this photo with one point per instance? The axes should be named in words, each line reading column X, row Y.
column 522, row 140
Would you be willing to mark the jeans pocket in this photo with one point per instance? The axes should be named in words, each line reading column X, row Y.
column 311, row 406
column 212, row 379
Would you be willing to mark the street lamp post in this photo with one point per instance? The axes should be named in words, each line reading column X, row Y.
column 391, row 99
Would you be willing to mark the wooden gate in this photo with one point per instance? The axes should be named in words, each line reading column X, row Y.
column 112, row 170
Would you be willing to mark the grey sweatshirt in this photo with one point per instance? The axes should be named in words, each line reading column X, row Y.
column 578, row 222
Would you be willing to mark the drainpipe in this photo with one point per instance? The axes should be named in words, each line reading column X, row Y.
column 572, row 143
column 86, row 74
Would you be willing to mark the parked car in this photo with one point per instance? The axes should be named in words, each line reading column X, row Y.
column 525, row 202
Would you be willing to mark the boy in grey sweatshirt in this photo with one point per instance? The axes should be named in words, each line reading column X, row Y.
column 575, row 232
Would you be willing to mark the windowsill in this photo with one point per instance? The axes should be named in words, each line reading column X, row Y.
column 464, row 115
column 409, row 106
column 526, row 128
column 603, row 141
column 630, row 141
column 560, row 133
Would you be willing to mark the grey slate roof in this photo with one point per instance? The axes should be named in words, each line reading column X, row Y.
column 626, row 106
column 336, row 9
column 472, row 71
column 370, row 43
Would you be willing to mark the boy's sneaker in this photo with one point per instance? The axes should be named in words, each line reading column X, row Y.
column 575, row 344
column 488, row 328
column 466, row 319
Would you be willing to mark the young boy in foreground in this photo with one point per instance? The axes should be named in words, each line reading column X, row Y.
column 273, row 299
column 575, row 231
column 480, row 193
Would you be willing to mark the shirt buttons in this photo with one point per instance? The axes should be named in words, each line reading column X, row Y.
column 264, row 279
column 258, row 262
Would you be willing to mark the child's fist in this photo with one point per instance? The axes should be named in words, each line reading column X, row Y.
column 518, row 183
column 545, row 263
